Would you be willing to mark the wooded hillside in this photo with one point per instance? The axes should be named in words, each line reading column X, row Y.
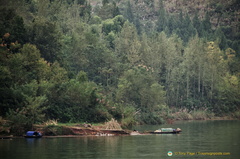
column 139, row 61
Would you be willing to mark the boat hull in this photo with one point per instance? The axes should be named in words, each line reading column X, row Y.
column 33, row 134
column 33, row 137
column 174, row 132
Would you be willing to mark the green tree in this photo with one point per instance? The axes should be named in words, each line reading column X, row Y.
column 127, row 45
column 45, row 35
column 129, row 13
column 138, row 24
column 12, row 24
column 138, row 87
column 108, row 10
column 195, row 72
column 22, row 119
column 207, row 26
column 105, row 2
column 77, row 100
column 229, row 94
column 221, row 38
column 26, row 75
column 185, row 28
column 198, row 25
column 162, row 20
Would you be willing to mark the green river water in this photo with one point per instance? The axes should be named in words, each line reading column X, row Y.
column 200, row 139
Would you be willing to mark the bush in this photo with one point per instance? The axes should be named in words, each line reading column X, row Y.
column 182, row 114
column 152, row 118
column 22, row 119
column 4, row 126
column 236, row 114
column 19, row 123
column 126, row 114
column 53, row 130
column 51, row 122
column 185, row 114
column 199, row 115
column 128, row 122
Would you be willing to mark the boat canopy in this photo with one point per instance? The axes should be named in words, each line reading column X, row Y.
column 167, row 129
column 32, row 133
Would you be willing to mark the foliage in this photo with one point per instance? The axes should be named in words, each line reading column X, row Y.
column 13, row 24
column 53, row 130
column 137, row 87
column 23, row 119
column 201, row 115
column 126, row 114
column 51, row 122
column 45, row 35
column 4, row 126
column 78, row 61
column 236, row 114
column 77, row 100
column 182, row 114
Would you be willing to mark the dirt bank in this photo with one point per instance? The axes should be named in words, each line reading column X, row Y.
column 77, row 130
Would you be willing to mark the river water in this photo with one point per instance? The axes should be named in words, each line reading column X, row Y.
column 199, row 139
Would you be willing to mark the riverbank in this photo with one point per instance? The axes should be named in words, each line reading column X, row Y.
column 71, row 131
column 79, row 130
column 201, row 114
column 52, row 128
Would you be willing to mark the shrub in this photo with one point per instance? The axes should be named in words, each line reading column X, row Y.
column 19, row 123
column 4, row 126
column 22, row 119
column 152, row 118
column 128, row 122
column 199, row 115
column 51, row 122
column 236, row 114
column 182, row 114
column 53, row 130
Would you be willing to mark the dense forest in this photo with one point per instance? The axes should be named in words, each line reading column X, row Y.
column 137, row 61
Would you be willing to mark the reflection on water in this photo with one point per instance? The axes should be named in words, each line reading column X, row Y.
column 197, row 137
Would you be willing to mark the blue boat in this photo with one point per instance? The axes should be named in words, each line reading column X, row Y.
column 33, row 134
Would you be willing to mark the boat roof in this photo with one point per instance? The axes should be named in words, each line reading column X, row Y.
column 31, row 133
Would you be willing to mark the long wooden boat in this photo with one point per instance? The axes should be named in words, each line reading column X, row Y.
column 166, row 131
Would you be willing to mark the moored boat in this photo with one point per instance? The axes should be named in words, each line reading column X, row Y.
column 167, row 131
column 33, row 134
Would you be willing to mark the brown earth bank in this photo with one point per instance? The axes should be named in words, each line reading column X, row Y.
column 79, row 131
column 52, row 128
column 72, row 131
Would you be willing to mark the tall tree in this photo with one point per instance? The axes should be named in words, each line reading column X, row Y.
column 129, row 13
column 162, row 20
column 13, row 24
column 45, row 35
column 128, row 45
